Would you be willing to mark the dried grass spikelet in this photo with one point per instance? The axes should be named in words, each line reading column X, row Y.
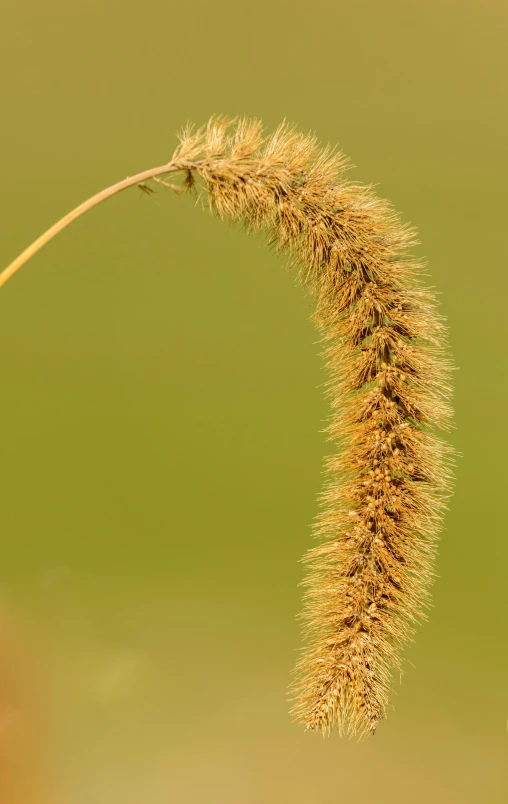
column 367, row 580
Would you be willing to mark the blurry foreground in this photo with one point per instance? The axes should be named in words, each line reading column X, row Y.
column 161, row 400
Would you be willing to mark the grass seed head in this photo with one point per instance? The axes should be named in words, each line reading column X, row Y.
column 366, row 584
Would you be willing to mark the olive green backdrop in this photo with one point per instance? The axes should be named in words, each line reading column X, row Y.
column 162, row 402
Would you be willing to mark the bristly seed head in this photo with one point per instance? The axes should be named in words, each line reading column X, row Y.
column 388, row 384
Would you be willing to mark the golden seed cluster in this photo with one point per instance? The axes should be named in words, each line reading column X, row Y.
column 383, row 340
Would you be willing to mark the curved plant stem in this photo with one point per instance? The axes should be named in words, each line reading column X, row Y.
column 49, row 234
column 368, row 579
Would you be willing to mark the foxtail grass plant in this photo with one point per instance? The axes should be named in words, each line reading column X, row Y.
column 368, row 577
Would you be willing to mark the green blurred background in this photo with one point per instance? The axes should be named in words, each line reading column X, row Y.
column 163, row 409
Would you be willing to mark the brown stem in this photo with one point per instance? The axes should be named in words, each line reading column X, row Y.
column 130, row 181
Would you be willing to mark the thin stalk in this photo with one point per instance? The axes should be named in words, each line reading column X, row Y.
column 49, row 234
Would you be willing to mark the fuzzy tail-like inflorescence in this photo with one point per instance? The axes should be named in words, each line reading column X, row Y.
column 368, row 578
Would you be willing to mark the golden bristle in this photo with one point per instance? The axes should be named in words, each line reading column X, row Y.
column 367, row 581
